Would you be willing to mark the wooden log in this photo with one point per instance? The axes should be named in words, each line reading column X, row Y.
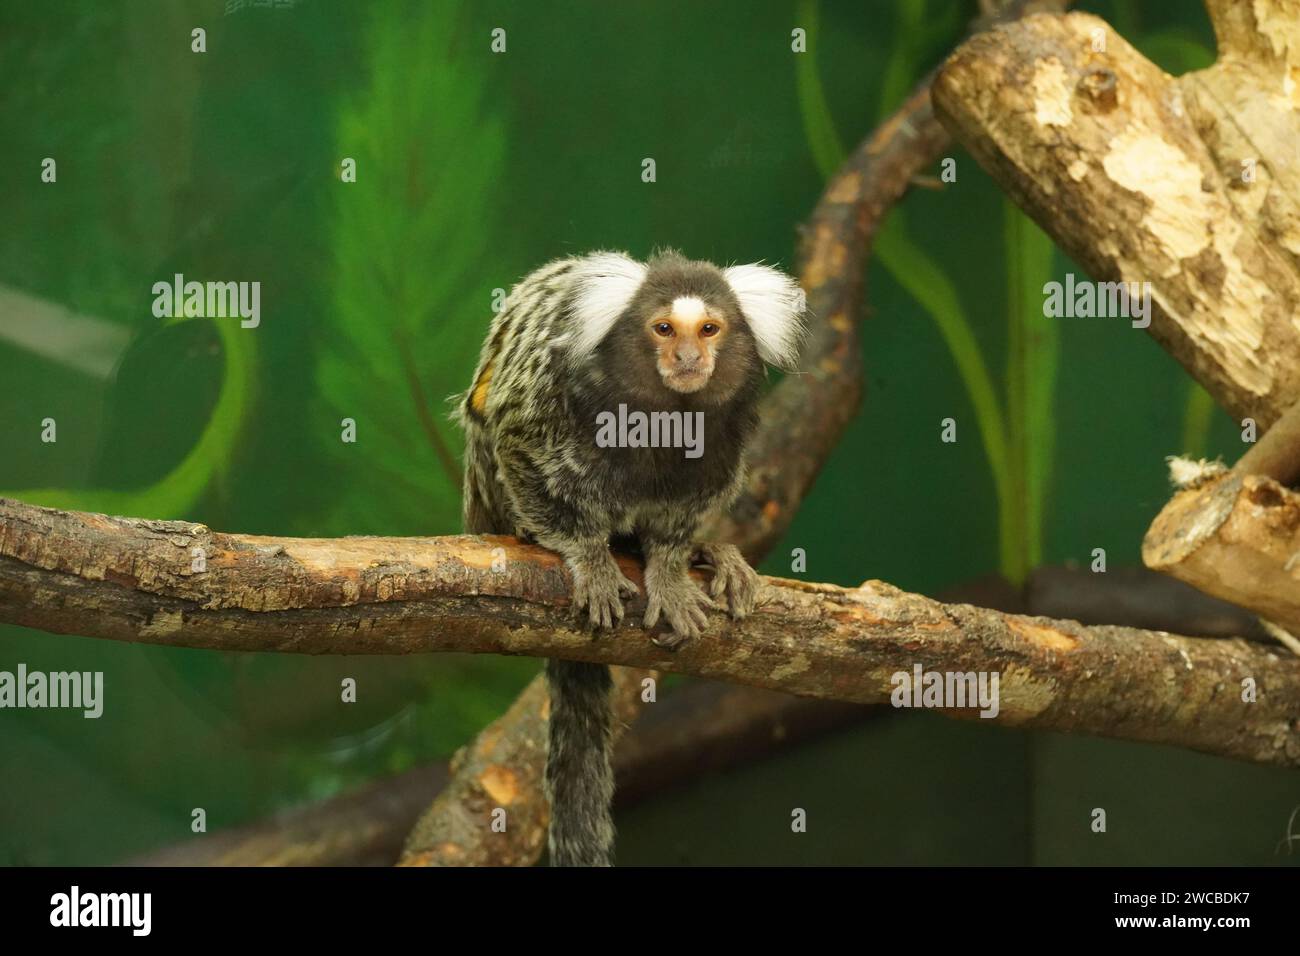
column 1236, row 537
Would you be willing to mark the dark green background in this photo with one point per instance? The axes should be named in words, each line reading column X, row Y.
column 474, row 168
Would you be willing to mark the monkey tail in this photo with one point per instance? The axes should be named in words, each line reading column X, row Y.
column 579, row 779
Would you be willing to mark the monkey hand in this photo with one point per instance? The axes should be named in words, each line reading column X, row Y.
column 735, row 584
column 599, row 588
column 681, row 602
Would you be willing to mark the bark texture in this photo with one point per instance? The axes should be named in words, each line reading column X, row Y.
column 1189, row 183
column 702, row 727
column 128, row 579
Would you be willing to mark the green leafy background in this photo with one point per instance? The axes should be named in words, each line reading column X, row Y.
column 472, row 169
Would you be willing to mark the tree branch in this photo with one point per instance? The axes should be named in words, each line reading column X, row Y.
column 1236, row 534
column 702, row 727
column 1236, row 537
column 1188, row 183
column 129, row 579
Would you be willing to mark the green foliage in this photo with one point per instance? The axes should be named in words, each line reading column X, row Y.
column 1175, row 51
column 1017, row 444
column 100, row 257
column 173, row 495
column 1198, row 417
column 819, row 127
column 1033, row 348
column 410, row 304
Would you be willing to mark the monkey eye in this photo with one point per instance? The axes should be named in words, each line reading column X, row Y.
column 709, row 329
column 663, row 328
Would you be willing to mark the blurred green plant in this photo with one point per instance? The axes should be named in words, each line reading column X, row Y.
column 1018, row 443
column 1033, row 351
column 410, row 300
column 173, row 495
column 98, row 266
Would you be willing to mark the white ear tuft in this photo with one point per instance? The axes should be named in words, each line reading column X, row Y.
column 605, row 283
column 773, row 305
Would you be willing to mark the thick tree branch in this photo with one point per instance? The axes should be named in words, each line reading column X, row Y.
column 1236, row 537
column 1236, row 534
column 1188, row 183
column 128, row 579
column 701, row 727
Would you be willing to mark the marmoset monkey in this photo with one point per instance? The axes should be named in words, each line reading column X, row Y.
column 577, row 342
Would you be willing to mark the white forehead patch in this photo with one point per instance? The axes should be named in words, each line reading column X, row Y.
column 688, row 307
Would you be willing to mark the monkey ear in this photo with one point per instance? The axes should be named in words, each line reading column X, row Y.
column 604, row 283
column 774, row 307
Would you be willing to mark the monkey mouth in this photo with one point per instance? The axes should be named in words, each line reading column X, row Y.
column 686, row 380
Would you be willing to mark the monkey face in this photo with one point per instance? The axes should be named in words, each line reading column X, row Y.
column 686, row 338
column 677, row 332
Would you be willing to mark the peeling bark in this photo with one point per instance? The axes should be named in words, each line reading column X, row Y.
column 1236, row 535
column 1189, row 184
column 1139, row 176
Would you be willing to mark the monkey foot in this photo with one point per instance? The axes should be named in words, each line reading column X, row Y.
column 735, row 584
column 600, row 592
column 682, row 603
